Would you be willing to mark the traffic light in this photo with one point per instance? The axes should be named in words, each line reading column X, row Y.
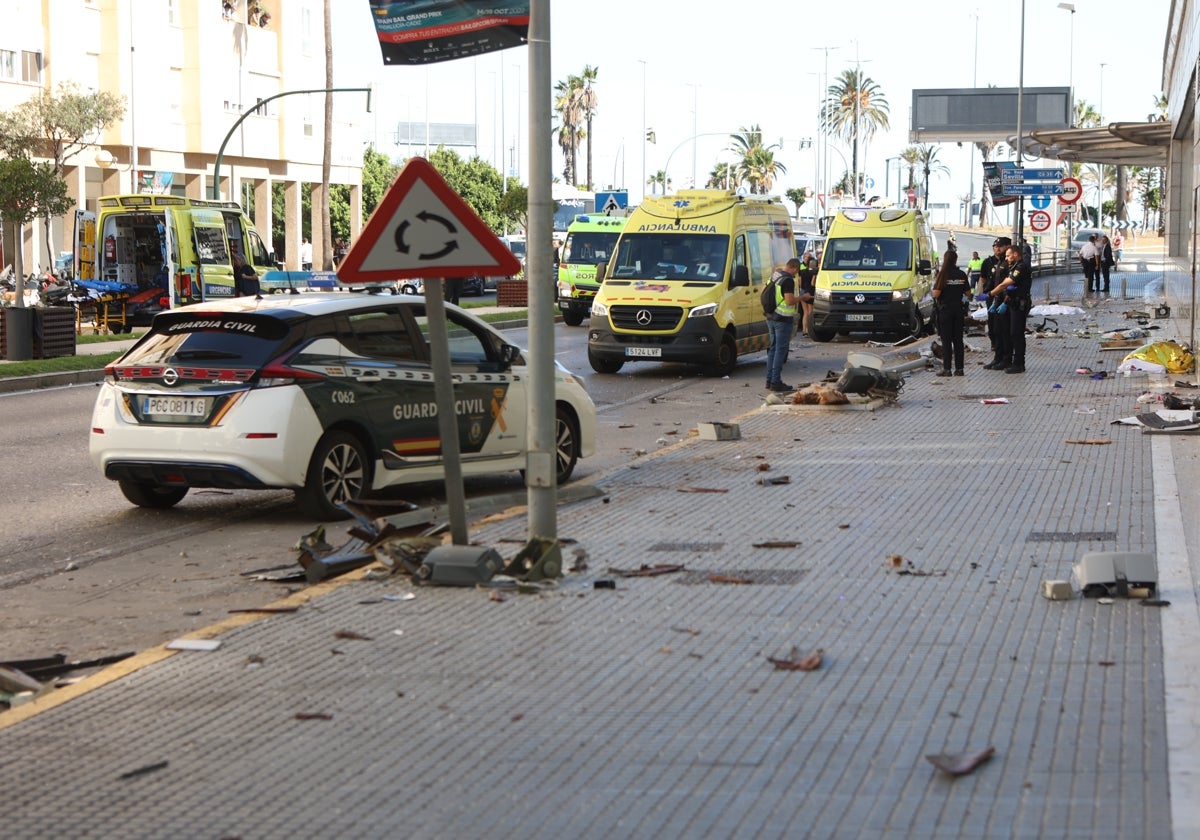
column 650, row 135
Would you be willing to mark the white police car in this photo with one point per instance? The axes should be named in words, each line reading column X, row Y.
column 330, row 395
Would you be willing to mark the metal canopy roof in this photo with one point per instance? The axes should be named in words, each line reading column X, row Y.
column 1124, row 144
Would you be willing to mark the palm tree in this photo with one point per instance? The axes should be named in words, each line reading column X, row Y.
column 722, row 177
column 911, row 155
column 986, row 149
column 659, row 177
column 854, row 108
column 570, row 115
column 587, row 106
column 929, row 164
column 756, row 162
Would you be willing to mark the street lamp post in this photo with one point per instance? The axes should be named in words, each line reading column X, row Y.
column 645, row 136
column 216, row 185
column 1070, row 7
column 692, row 139
column 1100, row 166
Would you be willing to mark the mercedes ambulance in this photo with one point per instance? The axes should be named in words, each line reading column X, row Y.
column 684, row 283
column 590, row 242
column 876, row 274
column 165, row 250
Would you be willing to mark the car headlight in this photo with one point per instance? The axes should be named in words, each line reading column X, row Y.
column 706, row 311
column 901, row 294
column 599, row 309
column 822, row 294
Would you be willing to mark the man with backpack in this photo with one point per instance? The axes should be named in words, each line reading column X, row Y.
column 780, row 304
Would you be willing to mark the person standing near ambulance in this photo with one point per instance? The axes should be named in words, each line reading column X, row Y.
column 782, row 323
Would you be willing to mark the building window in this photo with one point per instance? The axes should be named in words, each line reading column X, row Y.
column 31, row 67
column 8, row 64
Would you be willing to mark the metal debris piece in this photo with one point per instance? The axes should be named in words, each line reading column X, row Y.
column 541, row 558
column 717, row 577
column 142, row 771
column 350, row 634
column 777, row 544
column 1090, row 441
column 313, row 716
column 703, row 490
column 960, row 764
column 266, row 610
column 648, row 571
column 796, row 662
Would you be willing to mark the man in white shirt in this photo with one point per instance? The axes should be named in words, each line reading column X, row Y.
column 305, row 255
column 1089, row 257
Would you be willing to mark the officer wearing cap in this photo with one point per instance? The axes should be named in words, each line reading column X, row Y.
column 993, row 272
column 1017, row 292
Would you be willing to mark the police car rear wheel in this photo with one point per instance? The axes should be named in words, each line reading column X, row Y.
column 337, row 472
column 152, row 495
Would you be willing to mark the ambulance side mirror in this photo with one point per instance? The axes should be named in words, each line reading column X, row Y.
column 601, row 272
column 741, row 277
column 924, row 267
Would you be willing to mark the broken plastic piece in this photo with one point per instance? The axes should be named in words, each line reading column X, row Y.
column 960, row 764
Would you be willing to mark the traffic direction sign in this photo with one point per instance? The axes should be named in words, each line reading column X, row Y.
column 1039, row 188
column 1044, row 174
column 422, row 228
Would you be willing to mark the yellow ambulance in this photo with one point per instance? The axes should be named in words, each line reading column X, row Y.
column 684, row 283
column 876, row 275
column 590, row 241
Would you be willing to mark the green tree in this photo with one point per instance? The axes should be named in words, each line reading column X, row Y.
column 659, row 179
column 756, row 162
column 479, row 184
column 55, row 125
column 28, row 191
column 587, row 106
column 854, row 108
column 797, row 196
column 722, row 177
column 927, row 153
column 568, row 106
column 986, row 149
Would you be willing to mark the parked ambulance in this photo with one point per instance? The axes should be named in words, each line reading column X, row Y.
column 165, row 251
column 684, row 283
column 876, row 274
column 591, row 240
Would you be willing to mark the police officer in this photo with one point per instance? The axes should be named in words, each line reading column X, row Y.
column 993, row 270
column 1017, row 292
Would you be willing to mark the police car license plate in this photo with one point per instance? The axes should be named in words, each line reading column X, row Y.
column 175, row 406
column 654, row 352
column 860, row 316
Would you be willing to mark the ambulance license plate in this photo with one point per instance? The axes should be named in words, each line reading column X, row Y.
column 653, row 352
column 860, row 316
column 175, row 406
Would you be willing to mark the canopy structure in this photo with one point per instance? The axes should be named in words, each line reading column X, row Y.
column 1116, row 144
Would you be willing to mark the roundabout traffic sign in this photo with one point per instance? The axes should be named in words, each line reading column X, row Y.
column 1072, row 190
column 1039, row 221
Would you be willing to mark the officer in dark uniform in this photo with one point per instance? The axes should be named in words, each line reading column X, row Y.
column 1016, row 290
column 994, row 270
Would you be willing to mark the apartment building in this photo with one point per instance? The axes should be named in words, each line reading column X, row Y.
column 189, row 70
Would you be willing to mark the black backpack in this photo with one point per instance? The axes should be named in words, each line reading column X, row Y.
column 768, row 297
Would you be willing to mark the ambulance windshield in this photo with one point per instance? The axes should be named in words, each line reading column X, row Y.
column 658, row 256
column 868, row 253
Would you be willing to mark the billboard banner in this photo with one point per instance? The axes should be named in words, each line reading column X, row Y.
column 993, row 178
column 428, row 31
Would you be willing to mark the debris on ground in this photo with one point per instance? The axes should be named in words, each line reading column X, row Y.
column 1090, row 441
column 719, row 577
column 1159, row 357
column 777, row 544
column 960, row 764
column 648, row 571
column 703, row 489
column 796, row 662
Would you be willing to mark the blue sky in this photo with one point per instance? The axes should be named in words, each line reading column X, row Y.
column 707, row 68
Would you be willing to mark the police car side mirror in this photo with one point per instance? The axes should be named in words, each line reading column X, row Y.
column 741, row 276
column 924, row 267
column 510, row 354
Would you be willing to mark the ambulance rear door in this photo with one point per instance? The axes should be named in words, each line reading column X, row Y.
column 84, row 267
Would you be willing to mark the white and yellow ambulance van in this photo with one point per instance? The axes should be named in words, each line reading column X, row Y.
column 876, row 274
column 684, row 283
column 591, row 240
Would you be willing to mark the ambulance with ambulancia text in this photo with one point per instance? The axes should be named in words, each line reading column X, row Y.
column 876, row 274
column 590, row 241
column 684, row 283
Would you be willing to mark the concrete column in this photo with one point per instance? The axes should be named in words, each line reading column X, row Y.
column 356, row 213
column 110, row 183
column 195, row 185
column 291, row 224
column 321, row 260
column 264, row 218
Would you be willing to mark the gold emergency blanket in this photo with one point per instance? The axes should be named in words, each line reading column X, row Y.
column 1160, row 356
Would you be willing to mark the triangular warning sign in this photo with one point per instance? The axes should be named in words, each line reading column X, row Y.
column 422, row 228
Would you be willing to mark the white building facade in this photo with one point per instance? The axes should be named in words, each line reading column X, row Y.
column 189, row 70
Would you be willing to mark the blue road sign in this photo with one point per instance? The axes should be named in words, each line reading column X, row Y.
column 1045, row 174
column 607, row 202
column 1040, row 202
column 1031, row 189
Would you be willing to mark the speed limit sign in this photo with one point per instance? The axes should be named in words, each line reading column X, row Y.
column 1071, row 191
column 1039, row 220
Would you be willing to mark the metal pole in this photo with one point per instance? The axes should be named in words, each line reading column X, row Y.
column 1017, row 222
column 540, row 471
column 1100, row 166
column 644, row 129
column 443, row 392
column 974, row 83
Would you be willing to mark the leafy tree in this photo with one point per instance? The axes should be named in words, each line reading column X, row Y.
column 479, row 184
column 56, row 125
column 911, row 155
column 569, row 107
column 587, row 105
column 930, row 164
column 722, row 177
column 756, row 163
column 659, row 178
column 797, row 196
column 514, row 204
column 854, row 108
column 28, row 191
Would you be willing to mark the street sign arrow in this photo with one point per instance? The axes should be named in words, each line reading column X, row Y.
column 1031, row 189
column 1044, row 174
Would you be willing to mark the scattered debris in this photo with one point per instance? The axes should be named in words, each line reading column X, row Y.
column 772, row 480
column 994, row 400
column 960, row 764
column 194, row 644
column 350, row 634
column 313, row 716
column 49, row 667
column 1057, row 590
column 703, row 490
column 314, row 542
column 497, row 596
column 796, row 662
column 1159, row 357
column 717, row 577
column 896, row 561
column 1090, row 441
column 1106, row 663
column 1155, row 602
column 14, row 680
column 719, row 431
column 604, row 584
column 648, row 571
column 689, row 630
column 777, row 544
column 142, row 771
column 266, row 610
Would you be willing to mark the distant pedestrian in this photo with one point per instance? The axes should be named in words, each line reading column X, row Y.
column 950, row 294
column 305, row 255
column 974, row 270
column 1117, row 242
column 782, row 323
column 1106, row 262
column 1089, row 260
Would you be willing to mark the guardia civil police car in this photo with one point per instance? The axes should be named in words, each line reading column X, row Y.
column 331, row 395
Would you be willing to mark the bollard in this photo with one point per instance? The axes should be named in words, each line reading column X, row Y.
column 1047, row 291
column 1123, row 295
